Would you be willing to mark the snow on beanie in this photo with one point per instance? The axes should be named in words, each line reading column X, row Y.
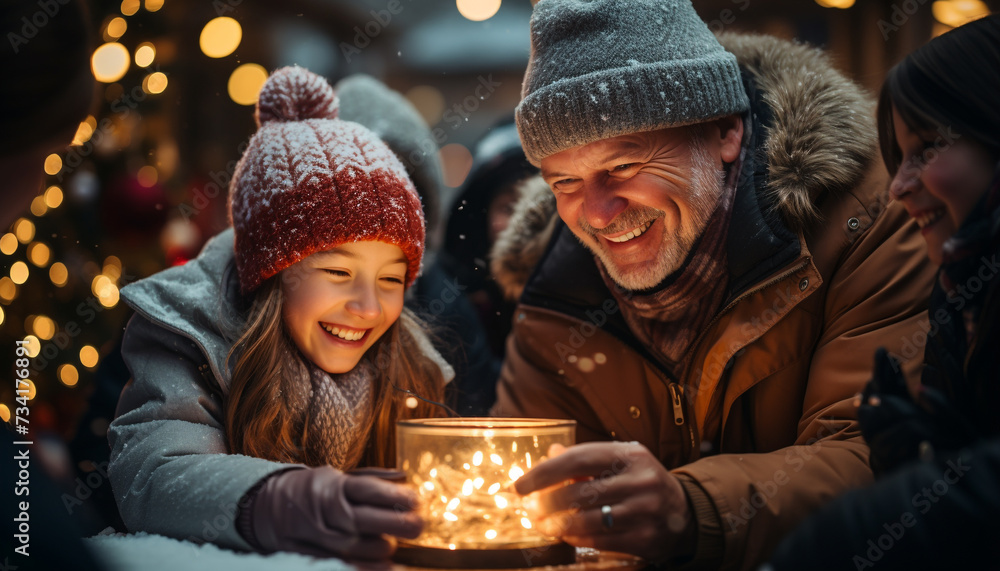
column 604, row 68
column 309, row 181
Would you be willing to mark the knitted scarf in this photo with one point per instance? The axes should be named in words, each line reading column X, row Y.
column 667, row 318
column 335, row 410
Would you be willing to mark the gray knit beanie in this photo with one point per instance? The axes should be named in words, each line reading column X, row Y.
column 604, row 68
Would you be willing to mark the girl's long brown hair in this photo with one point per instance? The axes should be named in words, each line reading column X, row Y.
column 261, row 423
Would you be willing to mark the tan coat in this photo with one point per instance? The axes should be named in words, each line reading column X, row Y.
column 760, row 425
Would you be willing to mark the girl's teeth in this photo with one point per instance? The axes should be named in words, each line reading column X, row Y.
column 633, row 234
column 344, row 334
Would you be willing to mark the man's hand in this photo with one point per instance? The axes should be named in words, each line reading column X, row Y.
column 647, row 511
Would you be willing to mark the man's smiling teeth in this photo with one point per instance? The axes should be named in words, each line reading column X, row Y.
column 346, row 334
column 928, row 218
column 633, row 234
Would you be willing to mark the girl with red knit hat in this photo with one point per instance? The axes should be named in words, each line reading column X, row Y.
column 279, row 359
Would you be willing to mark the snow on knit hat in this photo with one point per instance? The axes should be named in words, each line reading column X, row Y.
column 309, row 181
column 604, row 68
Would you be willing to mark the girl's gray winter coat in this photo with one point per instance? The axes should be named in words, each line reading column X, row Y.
column 171, row 469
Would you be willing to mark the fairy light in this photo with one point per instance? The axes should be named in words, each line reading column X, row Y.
column 88, row 356
column 58, row 274
column 465, row 483
column 8, row 243
column 24, row 229
column 68, row 375
column 53, row 196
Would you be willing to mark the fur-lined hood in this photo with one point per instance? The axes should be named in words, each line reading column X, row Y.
column 822, row 140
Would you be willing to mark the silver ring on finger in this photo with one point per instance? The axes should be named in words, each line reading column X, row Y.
column 607, row 520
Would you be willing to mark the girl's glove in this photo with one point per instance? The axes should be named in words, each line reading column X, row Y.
column 324, row 512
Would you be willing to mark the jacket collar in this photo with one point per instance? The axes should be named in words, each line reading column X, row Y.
column 196, row 300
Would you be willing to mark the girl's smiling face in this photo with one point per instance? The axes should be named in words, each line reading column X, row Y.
column 938, row 181
column 339, row 302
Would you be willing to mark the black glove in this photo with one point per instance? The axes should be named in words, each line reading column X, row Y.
column 898, row 429
column 324, row 512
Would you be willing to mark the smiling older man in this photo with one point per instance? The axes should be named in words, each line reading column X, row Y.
column 709, row 299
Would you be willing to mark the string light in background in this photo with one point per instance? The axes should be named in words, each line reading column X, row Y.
column 68, row 375
column 145, row 53
column 110, row 62
column 58, row 274
column 245, row 83
column 8, row 243
column 130, row 7
column 53, row 164
column 116, row 29
column 153, row 5
column 24, row 229
column 478, row 10
column 954, row 13
column 19, row 272
column 155, row 83
column 88, row 356
column 53, row 196
column 39, row 254
column 220, row 37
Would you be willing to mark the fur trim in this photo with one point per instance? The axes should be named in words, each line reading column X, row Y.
column 823, row 138
column 519, row 247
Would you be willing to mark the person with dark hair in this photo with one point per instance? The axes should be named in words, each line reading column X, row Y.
column 937, row 449
column 48, row 88
column 282, row 356
column 458, row 289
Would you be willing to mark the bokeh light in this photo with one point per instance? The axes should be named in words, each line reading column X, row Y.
column 145, row 54
column 4, row 413
column 117, row 27
column 19, row 272
column 32, row 345
column 457, row 161
column 245, row 83
column 85, row 131
column 147, row 176
column 53, row 164
column 8, row 243
column 110, row 62
column 58, row 274
column 8, row 290
column 68, row 375
column 53, row 196
column 2, row 316
column 843, row 4
column 42, row 327
column 154, row 5
column 38, row 207
column 130, row 7
column 39, row 254
column 954, row 13
column 88, row 356
column 24, row 229
column 220, row 37
column 155, row 83
column 478, row 10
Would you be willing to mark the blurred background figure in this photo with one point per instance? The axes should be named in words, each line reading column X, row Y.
column 457, row 290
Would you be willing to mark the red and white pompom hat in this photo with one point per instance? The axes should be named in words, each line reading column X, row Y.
column 309, row 181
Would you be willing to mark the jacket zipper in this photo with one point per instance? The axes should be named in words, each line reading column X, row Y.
column 677, row 390
column 677, row 402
